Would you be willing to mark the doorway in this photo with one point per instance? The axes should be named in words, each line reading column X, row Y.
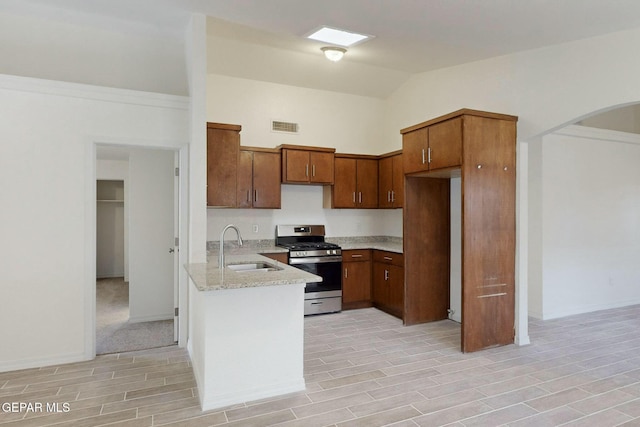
column 136, row 225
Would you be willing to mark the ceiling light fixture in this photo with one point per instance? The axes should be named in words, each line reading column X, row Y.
column 333, row 53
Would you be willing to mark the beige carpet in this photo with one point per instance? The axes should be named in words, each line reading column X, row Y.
column 114, row 333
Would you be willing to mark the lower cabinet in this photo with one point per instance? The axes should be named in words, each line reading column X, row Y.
column 282, row 257
column 356, row 279
column 388, row 282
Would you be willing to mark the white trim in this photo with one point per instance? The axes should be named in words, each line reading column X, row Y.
column 96, row 93
column 599, row 134
column 90, row 232
column 522, row 245
column 226, row 399
column 589, row 308
column 41, row 361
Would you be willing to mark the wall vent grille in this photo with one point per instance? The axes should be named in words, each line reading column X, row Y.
column 278, row 126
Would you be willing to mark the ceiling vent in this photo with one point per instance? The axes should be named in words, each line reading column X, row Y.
column 286, row 127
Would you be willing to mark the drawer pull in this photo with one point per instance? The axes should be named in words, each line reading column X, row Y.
column 388, row 258
column 356, row 256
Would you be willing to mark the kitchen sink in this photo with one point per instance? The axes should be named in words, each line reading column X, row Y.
column 251, row 267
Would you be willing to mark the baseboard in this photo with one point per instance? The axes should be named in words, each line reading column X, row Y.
column 150, row 318
column 111, row 276
column 43, row 361
column 589, row 309
column 225, row 399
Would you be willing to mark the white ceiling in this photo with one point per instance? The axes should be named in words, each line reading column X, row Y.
column 411, row 36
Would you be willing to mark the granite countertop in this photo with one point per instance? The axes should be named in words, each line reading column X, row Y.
column 383, row 243
column 208, row 277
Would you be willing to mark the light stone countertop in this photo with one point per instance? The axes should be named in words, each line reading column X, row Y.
column 383, row 243
column 208, row 277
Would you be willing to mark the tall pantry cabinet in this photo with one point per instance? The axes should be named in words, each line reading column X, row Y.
column 480, row 149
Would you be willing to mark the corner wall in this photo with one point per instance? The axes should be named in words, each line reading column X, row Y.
column 589, row 228
column 48, row 135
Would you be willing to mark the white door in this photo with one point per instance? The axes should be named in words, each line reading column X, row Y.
column 151, row 234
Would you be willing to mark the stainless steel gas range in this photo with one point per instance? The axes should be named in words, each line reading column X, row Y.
column 309, row 252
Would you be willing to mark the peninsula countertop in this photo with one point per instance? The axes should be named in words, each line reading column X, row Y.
column 208, row 277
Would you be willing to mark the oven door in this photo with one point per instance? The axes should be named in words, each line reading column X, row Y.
column 329, row 268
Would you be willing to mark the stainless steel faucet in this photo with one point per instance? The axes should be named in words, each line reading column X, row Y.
column 221, row 255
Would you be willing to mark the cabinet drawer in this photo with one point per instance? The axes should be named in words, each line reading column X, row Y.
column 355, row 255
column 388, row 258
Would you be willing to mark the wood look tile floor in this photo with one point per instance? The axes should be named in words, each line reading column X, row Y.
column 363, row 368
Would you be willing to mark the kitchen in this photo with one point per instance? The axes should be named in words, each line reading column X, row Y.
column 516, row 84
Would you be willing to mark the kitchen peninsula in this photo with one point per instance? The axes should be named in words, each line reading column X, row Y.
column 247, row 328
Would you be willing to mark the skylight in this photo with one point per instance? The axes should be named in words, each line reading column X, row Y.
column 337, row 37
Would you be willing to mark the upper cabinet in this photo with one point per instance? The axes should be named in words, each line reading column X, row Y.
column 356, row 182
column 223, row 148
column 307, row 165
column 390, row 180
column 432, row 147
column 259, row 178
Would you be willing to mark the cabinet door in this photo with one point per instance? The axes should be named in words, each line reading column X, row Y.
column 321, row 167
column 415, row 145
column 367, row 183
column 395, row 279
column 245, row 179
column 356, row 282
column 445, row 144
column 385, row 182
column 223, row 147
column 344, row 187
column 295, row 166
column 266, row 180
column 380, row 286
column 397, row 190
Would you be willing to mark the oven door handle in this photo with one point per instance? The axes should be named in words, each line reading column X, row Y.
column 315, row 260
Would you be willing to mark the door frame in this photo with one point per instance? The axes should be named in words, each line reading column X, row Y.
column 180, row 277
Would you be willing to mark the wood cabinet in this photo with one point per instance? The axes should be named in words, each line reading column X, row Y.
column 390, row 181
column 428, row 148
column 388, row 282
column 259, row 178
column 307, row 165
column 356, row 278
column 223, row 149
column 356, row 182
column 485, row 152
column 282, row 257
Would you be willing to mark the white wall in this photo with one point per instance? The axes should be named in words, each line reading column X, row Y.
column 590, row 227
column 547, row 88
column 47, row 133
column 50, row 44
column 349, row 123
column 624, row 119
column 303, row 204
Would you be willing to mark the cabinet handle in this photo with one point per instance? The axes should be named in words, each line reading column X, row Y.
column 429, row 151
column 354, row 197
column 255, row 195
column 313, row 170
column 306, row 170
column 386, row 275
column 393, row 196
column 389, row 196
column 356, row 256
column 360, row 197
column 388, row 258
column 346, row 274
column 248, row 199
column 423, row 160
